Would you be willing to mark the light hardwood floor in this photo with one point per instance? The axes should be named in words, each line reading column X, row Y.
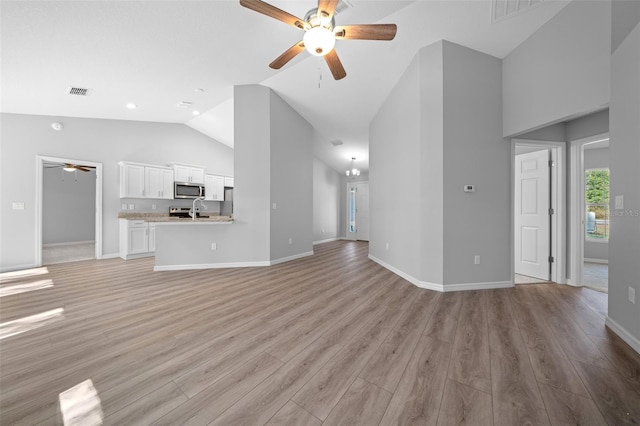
column 329, row 339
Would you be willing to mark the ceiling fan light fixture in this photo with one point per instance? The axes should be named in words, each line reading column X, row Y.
column 69, row 168
column 319, row 41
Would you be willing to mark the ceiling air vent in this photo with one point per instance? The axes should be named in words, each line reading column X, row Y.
column 78, row 91
column 343, row 5
column 337, row 142
column 184, row 104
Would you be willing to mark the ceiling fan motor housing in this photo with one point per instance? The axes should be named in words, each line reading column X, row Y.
column 319, row 38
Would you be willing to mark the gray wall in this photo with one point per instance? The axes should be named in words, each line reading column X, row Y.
column 327, row 202
column 291, row 180
column 394, row 161
column 102, row 141
column 68, row 206
column 442, row 127
column 475, row 153
column 567, row 61
column 596, row 159
column 624, row 157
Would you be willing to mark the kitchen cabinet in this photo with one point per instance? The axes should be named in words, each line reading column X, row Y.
column 137, row 239
column 131, row 180
column 228, row 182
column 191, row 174
column 158, row 183
column 144, row 181
column 213, row 187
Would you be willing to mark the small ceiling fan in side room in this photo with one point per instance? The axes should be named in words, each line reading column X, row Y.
column 321, row 32
column 68, row 167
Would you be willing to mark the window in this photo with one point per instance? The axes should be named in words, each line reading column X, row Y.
column 597, row 204
column 352, row 210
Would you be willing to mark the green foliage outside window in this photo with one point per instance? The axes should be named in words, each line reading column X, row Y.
column 597, row 203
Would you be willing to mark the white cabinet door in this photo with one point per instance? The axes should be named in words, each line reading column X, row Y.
column 158, row 183
column 152, row 237
column 213, row 188
column 166, row 191
column 188, row 174
column 132, row 181
column 138, row 240
column 228, row 182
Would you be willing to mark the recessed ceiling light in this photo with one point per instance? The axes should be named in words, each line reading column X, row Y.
column 131, row 105
column 199, row 90
column 195, row 112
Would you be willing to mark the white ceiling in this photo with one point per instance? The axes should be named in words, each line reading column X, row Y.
column 157, row 53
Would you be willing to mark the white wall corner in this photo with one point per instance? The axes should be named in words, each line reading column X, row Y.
column 411, row 279
column 623, row 334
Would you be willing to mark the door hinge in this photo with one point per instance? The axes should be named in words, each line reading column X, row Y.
column 552, row 163
column 551, row 259
column 551, row 212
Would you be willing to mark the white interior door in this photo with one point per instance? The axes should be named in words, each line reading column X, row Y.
column 532, row 220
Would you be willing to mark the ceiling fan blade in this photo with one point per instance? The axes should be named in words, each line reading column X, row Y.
column 83, row 168
column 366, row 32
column 288, row 55
column 272, row 11
column 326, row 8
column 335, row 65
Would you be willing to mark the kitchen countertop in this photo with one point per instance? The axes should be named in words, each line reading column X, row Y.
column 165, row 218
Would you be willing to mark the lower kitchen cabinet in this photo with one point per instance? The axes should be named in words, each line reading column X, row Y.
column 137, row 239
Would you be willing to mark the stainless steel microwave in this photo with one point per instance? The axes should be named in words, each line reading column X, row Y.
column 188, row 190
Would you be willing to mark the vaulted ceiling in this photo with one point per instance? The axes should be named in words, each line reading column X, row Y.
column 157, row 54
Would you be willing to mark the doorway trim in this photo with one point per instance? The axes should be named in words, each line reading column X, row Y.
column 558, row 203
column 576, row 207
column 40, row 160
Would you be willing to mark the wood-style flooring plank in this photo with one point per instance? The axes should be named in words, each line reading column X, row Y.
column 148, row 408
column 292, row 414
column 516, row 398
column 419, row 394
column 470, row 362
column 622, row 356
column 364, row 404
column 464, row 405
column 565, row 408
column 444, row 321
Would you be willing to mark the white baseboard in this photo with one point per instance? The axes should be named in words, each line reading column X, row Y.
column 231, row 264
column 572, row 283
column 210, row 266
column 328, row 240
column 70, row 243
column 18, row 267
column 442, row 287
column 290, row 258
column 110, row 256
column 623, row 334
column 601, row 261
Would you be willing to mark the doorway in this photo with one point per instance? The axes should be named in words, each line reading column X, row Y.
column 538, row 208
column 69, row 210
column 590, row 213
column 358, row 211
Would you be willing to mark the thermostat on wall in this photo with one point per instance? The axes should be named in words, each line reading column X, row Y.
column 469, row 188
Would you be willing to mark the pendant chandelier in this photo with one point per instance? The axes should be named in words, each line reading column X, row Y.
column 353, row 172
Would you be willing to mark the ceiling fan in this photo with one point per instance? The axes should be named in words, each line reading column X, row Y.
column 321, row 32
column 68, row 167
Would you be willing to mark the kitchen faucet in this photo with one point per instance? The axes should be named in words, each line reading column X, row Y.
column 193, row 212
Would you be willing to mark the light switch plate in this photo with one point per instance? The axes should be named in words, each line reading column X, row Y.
column 619, row 202
column 17, row 205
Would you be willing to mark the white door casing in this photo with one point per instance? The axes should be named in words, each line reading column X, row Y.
column 532, row 220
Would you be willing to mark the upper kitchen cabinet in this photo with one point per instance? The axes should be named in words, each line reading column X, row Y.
column 158, row 182
column 214, row 187
column 228, row 182
column 131, row 180
column 186, row 173
column 144, row 181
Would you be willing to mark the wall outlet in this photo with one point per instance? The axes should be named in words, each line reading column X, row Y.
column 214, row 246
column 290, row 240
column 17, row 205
column 323, row 230
column 132, row 206
column 153, row 206
column 274, row 206
column 619, row 202
column 386, row 246
column 632, row 295
column 476, row 259
column 123, row 207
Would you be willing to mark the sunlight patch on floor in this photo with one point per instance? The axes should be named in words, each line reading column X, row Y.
column 80, row 405
column 24, row 287
column 21, row 325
